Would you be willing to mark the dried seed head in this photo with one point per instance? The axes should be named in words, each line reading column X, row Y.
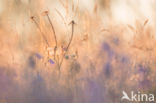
column 32, row 17
column 72, row 22
column 45, row 13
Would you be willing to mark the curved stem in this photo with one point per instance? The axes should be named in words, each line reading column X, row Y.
column 72, row 23
column 52, row 27
column 37, row 25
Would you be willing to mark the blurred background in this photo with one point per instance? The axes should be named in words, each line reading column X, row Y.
column 111, row 49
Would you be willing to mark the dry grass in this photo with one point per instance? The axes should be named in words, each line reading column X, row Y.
column 73, row 54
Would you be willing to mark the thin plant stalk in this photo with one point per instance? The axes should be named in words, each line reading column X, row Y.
column 37, row 25
column 71, row 38
column 52, row 27
column 72, row 23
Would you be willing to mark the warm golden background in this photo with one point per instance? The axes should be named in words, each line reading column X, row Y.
column 113, row 49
